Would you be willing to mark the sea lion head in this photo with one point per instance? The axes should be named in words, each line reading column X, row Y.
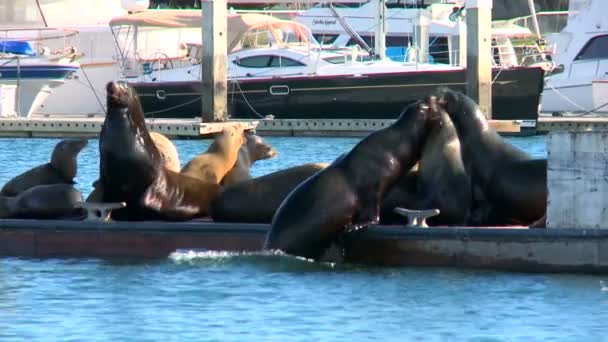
column 230, row 136
column 424, row 112
column 462, row 110
column 63, row 158
column 258, row 148
column 125, row 120
column 119, row 95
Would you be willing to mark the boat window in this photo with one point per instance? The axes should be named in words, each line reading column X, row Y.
column 596, row 48
column 336, row 60
column 254, row 61
column 326, row 38
column 280, row 61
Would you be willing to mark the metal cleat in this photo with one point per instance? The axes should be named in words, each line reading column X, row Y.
column 416, row 218
column 100, row 211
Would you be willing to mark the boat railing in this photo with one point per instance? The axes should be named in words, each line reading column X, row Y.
column 549, row 22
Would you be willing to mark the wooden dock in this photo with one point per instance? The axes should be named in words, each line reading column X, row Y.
column 548, row 124
column 81, row 126
column 89, row 127
column 514, row 249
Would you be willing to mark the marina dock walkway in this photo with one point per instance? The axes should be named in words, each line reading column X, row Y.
column 83, row 126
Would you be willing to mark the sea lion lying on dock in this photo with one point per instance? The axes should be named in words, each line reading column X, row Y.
column 347, row 194
column 256, row 200
column 50, row 201
column 61, row 169
column 132, row 171
column 509, row 186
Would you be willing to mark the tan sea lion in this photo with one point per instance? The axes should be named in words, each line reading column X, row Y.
column 253, row 150
column 60, row 170
column 219, row 158
column 256, row 200
column 131, row 169
column 167, row 150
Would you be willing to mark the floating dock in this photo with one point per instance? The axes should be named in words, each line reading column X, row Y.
column 80, row 126
column 548, row 124
column 89, row 127
column 514, row 249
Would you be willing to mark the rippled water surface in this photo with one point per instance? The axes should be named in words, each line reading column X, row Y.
column 256, row 297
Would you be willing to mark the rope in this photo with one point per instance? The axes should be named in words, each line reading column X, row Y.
column 93, row 89
column 567, row 99
column 236, row 82
column 174, row 107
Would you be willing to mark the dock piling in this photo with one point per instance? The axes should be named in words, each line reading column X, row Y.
column 214, row 93
column 479, row 61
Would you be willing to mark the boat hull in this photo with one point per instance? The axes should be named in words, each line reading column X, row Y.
column 34, row 83
column 515, row 95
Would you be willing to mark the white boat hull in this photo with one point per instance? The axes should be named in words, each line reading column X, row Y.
column 84, row 93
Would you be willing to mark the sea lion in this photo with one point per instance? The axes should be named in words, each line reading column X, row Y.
column 253, row 150
column 443, row 182
column 439, row 181
column 167, row 150
column 509, row 186
column 131, row 169
column 168, row 155
column 256, row 200
column 347, row 193
column 50, row 201
column 60, row 170
column 402, row 194
column 219, row 158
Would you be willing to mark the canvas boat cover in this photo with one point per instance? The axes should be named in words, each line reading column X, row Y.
column 238, row 24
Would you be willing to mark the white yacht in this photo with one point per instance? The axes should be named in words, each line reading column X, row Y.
column 29, row 74
column 276, row 68
column 580, row 82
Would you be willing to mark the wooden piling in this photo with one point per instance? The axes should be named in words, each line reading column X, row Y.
column 479, row 57
column 213, row 74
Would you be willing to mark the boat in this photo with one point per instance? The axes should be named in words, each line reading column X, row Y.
column 579, row 84
column 90, row 36
column 28, row 77
column 297, row 77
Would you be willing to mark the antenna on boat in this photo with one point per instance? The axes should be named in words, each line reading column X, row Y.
column 534, row 18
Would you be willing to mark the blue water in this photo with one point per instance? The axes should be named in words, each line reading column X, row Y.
column 230, row 297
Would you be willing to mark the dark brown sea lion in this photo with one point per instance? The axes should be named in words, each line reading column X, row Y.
column 253, row 150
column 402, row 194
column 131, row 169
column 510, row 187
column 43, row 202
column 60, row 170
column 167, row 150
column 219, row 158
column 347, row 194
column 168, row 156
column 439, row 181
column 443, row 182
column 256, row 200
